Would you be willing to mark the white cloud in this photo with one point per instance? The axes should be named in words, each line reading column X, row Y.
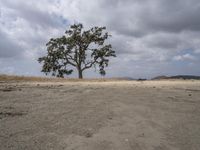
column 184, row 57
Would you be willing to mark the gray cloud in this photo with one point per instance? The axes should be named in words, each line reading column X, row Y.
column 9, row 48
column 34, row 15
column 173, row 16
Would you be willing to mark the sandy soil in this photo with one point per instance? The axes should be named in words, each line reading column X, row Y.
column 120, row 115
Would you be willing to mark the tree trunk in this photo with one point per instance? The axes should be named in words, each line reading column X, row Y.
column 80, row 74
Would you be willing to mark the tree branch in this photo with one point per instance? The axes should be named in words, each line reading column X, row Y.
column 68, row 61
column 89, row 65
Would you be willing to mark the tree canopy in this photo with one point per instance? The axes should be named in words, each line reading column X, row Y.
column 77, row 49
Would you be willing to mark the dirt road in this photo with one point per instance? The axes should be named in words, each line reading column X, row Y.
column 118, row 115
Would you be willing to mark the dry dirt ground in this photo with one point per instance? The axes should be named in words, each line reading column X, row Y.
column 115, row 115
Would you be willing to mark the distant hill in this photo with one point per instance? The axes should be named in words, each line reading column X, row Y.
column 160, row 78
column 184, row 77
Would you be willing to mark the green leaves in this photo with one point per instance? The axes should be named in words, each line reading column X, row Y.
column 79, row 49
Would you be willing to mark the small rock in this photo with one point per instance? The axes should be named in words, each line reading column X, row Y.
column 126, row 140
column 88, row 134
column 110, row 118
column 8, row 89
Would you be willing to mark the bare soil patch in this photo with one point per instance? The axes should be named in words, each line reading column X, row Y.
column 118, row 115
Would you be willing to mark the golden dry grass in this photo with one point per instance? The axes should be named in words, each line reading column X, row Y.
column 8, row 78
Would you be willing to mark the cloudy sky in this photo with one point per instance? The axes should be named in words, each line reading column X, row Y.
column 151, row 37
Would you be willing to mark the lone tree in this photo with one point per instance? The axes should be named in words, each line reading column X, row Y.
column 77, row 49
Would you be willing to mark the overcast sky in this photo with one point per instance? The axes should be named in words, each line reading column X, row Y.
column 150, row 37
